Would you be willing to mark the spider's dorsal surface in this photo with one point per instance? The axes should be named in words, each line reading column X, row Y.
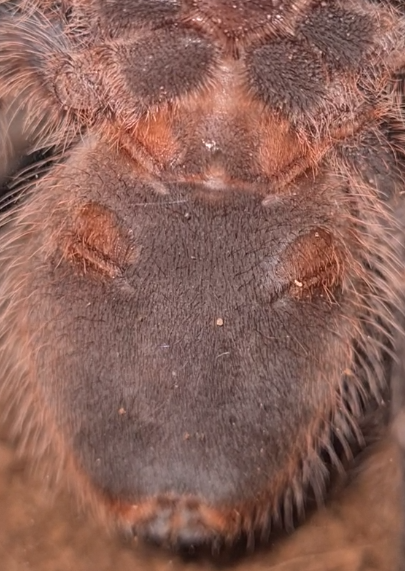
column 208, row 259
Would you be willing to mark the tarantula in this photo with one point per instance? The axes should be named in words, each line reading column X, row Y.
column 202, row 265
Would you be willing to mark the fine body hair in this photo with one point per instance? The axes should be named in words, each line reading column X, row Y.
column 201, row 253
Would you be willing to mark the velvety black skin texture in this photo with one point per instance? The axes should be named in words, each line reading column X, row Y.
column 203, row 402
column 202, row 278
